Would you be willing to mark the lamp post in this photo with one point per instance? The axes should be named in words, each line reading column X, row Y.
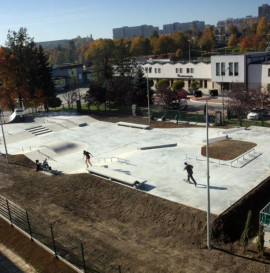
column 3, row 135
column 189, row 51
column 148, row 97
column 208, row 177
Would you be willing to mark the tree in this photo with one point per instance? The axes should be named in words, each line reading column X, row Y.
column 70, row 97
column 165, row 95
column 140, row 46
column 260, row 241
column 194, row 85
column 180, row 40
column 95, row 95
column 207, row 41
column 246, row 233
column 164, row 82
column 164, row 44
column 232, row 42
column 231, row 29
column 262, row 28
column 139, row 93
column 178, row 85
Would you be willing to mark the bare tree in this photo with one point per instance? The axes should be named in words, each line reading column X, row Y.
column 70, row 97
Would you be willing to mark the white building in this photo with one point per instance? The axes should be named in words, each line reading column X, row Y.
column 250, row 69
column 187, row 72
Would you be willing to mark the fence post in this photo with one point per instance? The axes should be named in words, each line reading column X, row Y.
column 9, row 213
column 29, row 226
column 119, row 268
column 84, row 267
column 54, row 246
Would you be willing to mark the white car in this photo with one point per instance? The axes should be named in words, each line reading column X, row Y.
column 256, row 114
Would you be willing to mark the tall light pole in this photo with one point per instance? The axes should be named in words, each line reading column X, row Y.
column 148, row 97
column 3, row 135
column 189, row 51
column 208, row 177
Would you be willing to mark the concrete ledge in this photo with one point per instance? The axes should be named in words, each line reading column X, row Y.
column 229, row 131
column 215, row 139
column 133, row 125
column 158, row 146
column 117, row 176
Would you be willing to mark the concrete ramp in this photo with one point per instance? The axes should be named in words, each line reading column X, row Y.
column 16, row 116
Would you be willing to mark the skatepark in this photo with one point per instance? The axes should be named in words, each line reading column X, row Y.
column 153, row 156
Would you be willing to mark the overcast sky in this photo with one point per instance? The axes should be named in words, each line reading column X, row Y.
column 48, row 20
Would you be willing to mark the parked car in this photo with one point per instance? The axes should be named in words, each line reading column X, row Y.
column 213, row 92
column 257, row 113
column 198, row 93
column 182, row 94
column 180, row 104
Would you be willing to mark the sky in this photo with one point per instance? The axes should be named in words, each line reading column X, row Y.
column 48, row 20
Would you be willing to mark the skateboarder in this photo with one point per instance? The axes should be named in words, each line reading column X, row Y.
column 189, row 169
column 87, row 158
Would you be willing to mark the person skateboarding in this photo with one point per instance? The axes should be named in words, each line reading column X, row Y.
column 87, row 158
column 189, row 169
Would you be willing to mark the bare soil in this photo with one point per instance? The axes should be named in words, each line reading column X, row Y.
column 122, row 226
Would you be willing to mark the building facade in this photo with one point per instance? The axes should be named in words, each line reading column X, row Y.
column 187, row 72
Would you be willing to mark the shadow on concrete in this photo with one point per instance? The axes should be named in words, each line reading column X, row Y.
column 211, row 187
column 6, row 265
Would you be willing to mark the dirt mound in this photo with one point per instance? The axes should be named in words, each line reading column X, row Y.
column 227, row 149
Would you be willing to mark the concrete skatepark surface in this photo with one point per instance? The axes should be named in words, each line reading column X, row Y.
column 161, row 167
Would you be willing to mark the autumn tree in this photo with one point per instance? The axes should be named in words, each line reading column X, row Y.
column 231, row 29
column 207, row 41
column 165, row 95
column 140, row 46
column 262, row 28
column 164, row 44
column 232, row 42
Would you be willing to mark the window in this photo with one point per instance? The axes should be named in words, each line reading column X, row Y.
column 181, row 70
column 230, row 69
column 201, row 83
column 176, row 70
column 150, row 69
column 222, row 69
column 189, row 83
column 187, row 70
column 155, row 70
column 217, row 69
column 191, row 70
column 236, row 72
column 159, row 70
column 146, row 69
column 205, row 83
column 268, row 72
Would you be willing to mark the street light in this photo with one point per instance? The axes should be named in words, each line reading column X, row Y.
column 148, row 98
column 189, row 51
column 207, row 173
column 222, row 93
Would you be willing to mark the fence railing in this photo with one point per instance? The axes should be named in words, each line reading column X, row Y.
column 51, row 238
column 265, row 216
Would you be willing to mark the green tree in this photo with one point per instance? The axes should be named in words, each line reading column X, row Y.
column 139, row 94
column 164, row 82
column 194, row 85
column 178, row 85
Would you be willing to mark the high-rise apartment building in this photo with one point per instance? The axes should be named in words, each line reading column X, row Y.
column 147, row 30
column 264, row 11
column 132, row 32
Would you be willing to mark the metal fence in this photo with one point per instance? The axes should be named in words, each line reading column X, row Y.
column 52, row 238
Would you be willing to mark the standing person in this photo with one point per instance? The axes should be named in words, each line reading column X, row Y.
column 87, row 158
column 189, row 169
